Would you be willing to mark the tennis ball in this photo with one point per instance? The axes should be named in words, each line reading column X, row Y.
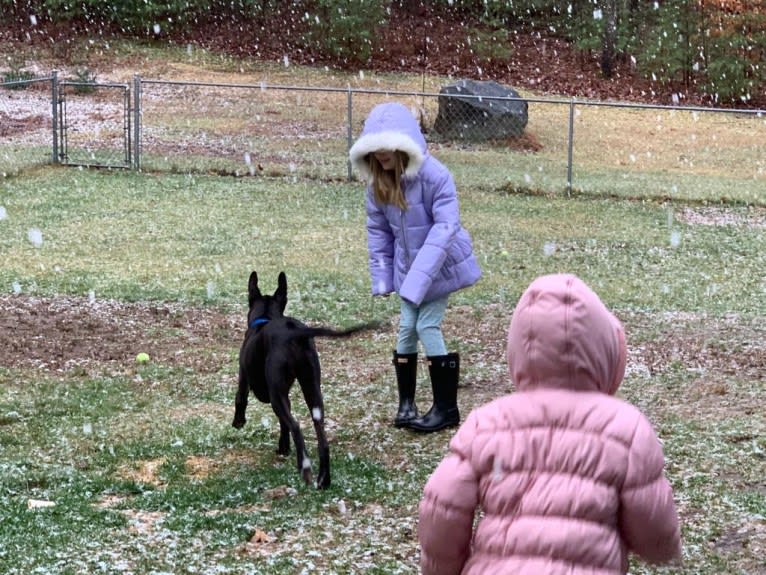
column 142, row 357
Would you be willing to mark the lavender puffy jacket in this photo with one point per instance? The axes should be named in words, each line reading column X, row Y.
column 568, row 479
column 423, row 253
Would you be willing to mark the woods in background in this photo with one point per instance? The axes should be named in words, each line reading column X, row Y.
column 712, row 46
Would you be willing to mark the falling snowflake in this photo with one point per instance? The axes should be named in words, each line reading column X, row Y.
column 35, row 236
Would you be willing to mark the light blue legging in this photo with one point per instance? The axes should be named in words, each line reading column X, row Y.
column 422, row 323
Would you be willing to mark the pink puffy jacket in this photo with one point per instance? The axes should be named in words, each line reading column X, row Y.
column 566, row 479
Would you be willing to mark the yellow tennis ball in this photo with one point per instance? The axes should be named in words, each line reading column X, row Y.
column 142, row 357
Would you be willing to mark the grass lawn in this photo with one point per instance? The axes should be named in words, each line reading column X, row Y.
column 109, row 466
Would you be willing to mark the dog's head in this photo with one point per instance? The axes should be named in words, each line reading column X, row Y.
column 264, row 308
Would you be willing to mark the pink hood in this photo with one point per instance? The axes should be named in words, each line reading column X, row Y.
column 562, row 336
column 568, row 479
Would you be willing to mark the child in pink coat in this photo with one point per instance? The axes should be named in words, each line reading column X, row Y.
column 568, row 479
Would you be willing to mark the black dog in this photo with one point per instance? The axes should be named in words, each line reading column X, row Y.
column 276, row 351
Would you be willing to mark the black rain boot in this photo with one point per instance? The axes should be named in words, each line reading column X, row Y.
column 406, row 366
column 444, row 371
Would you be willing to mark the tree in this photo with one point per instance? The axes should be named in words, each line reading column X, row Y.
column 609, row 11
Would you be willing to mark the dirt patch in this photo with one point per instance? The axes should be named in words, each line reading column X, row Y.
column 146, row 472
column 69, row 333
column 753, row 217
column 718, row 346
column 717, row 356
column 10, row 126
column 199, row 468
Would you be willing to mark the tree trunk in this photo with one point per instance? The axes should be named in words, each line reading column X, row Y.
column 609, row 38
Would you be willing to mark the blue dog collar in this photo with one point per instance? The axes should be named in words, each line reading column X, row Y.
column 258, row 321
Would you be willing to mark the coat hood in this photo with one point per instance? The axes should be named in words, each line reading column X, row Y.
column 563, row 337
column 390, row 126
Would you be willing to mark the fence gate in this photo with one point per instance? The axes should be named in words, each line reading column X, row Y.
column 94, row 125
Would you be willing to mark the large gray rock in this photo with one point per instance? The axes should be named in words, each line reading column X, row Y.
column 469, row 110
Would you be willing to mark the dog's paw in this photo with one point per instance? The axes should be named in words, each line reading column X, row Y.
column 323, row 481
column 239, row 423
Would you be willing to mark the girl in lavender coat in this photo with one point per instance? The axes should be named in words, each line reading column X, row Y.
column 569, row 479
column 417, row 248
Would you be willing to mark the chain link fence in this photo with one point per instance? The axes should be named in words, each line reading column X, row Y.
column 565, row 146
column 26, row 124
column 94, row 125
column 243, row 130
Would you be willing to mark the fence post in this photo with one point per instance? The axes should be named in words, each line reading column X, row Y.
column 55, row 115
column 570, row 146
column 136, row 122
column 350, row 134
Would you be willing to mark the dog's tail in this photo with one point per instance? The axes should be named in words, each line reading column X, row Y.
column 320, row 331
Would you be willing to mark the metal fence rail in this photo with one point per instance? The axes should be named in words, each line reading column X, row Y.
column 250, row 130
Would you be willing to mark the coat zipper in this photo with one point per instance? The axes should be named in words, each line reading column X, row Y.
column 404, row 239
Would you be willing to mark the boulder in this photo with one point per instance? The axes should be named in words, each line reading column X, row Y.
column 475, row 111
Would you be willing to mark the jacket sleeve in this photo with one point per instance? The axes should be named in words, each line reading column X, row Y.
column 446, row 511
column 446, row 224
column 649, row 522
column 380, row 246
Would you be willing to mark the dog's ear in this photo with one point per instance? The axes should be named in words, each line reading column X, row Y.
column 253, row 293
column 281, row 294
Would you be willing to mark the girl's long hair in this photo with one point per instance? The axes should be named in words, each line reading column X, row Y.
column 387, row 184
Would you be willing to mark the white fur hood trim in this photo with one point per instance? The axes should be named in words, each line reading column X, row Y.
column 390, row 126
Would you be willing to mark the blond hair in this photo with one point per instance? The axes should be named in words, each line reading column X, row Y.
column 387, row 184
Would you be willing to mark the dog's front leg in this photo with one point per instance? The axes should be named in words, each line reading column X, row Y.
column 240, row 402
column 283, row 448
